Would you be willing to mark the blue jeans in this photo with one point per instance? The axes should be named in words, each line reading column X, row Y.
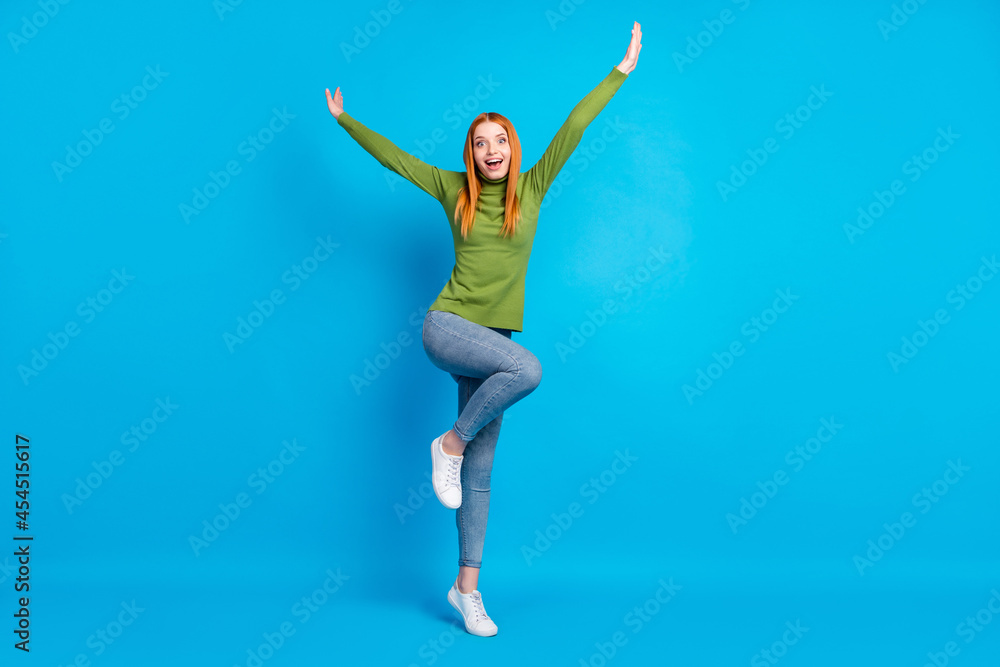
column 493, row 372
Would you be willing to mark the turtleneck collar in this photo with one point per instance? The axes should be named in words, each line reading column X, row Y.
column 487, row 181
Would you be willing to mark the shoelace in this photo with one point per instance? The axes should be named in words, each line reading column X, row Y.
column 477, row 605
column 451, row 472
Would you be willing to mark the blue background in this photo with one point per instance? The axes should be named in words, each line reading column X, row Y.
column 362, row 448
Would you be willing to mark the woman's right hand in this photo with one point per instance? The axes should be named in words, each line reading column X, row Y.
column 335, row 103
column 634, row 47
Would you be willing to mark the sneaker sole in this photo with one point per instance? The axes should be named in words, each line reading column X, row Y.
column 434, row 444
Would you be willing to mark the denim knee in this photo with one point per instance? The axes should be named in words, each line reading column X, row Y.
column 478, row 480
column 531, row 369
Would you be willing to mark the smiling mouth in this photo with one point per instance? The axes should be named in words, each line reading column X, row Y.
column 494, row 163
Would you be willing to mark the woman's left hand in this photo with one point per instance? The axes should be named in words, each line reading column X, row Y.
column 634, row 47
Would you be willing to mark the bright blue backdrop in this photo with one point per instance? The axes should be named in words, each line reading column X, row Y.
column 139, row 230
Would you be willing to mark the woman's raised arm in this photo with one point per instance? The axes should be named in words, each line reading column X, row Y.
column 543, row 174
column 425, row 176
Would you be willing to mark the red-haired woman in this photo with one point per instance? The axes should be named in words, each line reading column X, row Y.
column 467, row 330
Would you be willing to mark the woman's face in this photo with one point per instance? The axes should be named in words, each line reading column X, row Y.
column 489, row 144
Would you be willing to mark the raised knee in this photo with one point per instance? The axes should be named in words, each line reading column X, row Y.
column 531, row 368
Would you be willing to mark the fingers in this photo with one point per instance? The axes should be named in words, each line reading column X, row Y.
column 335, row 102
column 634, row 47
column 636, row 34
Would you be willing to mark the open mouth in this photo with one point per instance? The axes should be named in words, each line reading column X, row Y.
column 494, row 163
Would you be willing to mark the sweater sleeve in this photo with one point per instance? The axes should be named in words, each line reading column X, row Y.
column 426, row 177
column 542, row 175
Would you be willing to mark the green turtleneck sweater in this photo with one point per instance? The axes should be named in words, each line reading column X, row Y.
column 487, row 282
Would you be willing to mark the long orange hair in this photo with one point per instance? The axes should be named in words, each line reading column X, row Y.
column 470, row 193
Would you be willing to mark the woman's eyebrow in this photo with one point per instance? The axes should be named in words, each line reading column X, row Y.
column 498, row 134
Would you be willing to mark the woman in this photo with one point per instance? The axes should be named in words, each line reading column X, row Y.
column 467, row 331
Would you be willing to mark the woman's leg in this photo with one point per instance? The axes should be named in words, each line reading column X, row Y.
column 508, row 371
column 471, row 516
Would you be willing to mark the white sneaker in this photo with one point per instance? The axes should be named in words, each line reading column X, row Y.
column 445, row 478
column 470, row 606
